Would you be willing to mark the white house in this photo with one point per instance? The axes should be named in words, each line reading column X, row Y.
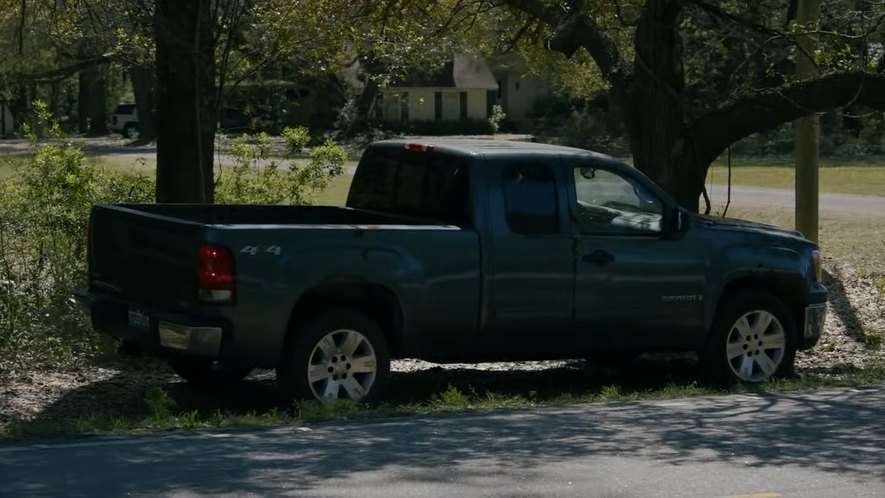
column 462, row 89
column 518, row 90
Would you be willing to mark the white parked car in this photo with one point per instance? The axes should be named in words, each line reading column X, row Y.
column 125, row 120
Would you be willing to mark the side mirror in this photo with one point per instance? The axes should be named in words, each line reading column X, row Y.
column 588, row 173
column 676, row 222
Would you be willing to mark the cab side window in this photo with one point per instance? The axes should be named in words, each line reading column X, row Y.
column 609, row 203
column 530, row 200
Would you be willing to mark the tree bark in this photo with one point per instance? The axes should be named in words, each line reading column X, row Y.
column 145, row 89
column 92, row 114
column 98, row 115
column 83, row 104
column 661, row 148
column 186, row 101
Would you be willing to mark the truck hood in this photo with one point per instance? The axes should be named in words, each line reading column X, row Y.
column 750, row 226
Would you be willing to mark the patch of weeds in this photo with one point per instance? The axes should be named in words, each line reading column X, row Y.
column 160, row 405
column 451, row 398
column 92, row 425
column 610, row 393
column 340, row 408
column 673, row 390
column 498, row 400
column 872, row 336
column 880, row 286
column 191, row 420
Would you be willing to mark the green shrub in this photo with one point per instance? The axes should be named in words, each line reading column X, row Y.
column 257, row 178
column 43, row 216
column 296, row 139
column 44, row 209
column 497, row 118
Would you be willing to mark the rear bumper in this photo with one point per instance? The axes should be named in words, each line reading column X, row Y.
column 155, row 331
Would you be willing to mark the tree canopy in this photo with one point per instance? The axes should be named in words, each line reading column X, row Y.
column 688, row 77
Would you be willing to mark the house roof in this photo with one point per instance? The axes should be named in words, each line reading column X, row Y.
column 463, row 71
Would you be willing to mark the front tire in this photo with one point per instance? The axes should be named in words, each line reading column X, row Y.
column 753, row 339
column 207, row 372
column 339, row 355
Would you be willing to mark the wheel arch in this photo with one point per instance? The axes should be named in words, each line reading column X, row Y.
column 787, row 288
column 376, row 301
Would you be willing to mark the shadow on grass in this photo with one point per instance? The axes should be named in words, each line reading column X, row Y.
column 124, row 394
column 841, row 306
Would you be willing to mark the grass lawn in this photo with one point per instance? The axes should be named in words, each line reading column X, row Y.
column 8, row 166
column 864, row 176
column 858, row 241
column 336, row 193
column 865, row 180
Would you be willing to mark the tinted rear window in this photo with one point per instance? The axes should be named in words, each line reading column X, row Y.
column 530, row 200
column 428, row 185
column 125, row 109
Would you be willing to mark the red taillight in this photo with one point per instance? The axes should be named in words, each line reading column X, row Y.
column 419, row 147
column 215, row 274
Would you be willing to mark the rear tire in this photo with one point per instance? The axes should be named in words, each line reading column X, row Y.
column 339, row 354
column 206, row 371
column 129, row 130
column 753, row 339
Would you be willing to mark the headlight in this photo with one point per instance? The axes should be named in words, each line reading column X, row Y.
column 818, row 272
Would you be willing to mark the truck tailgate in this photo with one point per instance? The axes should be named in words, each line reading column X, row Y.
column 151, row 259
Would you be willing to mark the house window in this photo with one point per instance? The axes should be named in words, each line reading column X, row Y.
column 491, row 100
column 404, row 107
column 379, row 107
column 463, row 104
column 437, row 106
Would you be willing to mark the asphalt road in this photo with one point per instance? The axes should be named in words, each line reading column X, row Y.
column 869, row 205
column 826, row 443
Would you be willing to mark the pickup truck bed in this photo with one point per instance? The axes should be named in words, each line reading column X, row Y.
column 144, row 258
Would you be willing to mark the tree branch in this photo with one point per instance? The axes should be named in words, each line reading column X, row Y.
column 574, row 30
column 66, row 71
column 716, row 130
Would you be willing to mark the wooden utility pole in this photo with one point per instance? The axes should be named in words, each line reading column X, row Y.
column 807, row 129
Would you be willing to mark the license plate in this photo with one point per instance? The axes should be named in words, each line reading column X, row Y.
column 139, row 320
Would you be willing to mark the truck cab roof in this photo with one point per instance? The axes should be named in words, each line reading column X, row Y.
column 489, row 148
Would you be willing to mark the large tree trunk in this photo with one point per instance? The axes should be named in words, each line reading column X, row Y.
column 661, row 148
column 98, row 116
column 186, row 101
column 83, row 101
column 145, row 89
column 92, row 102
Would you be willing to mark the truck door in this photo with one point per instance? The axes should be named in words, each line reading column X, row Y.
column 532, row 284
column 635, row 287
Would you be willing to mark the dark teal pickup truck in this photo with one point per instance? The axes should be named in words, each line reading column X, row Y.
column 452, row 250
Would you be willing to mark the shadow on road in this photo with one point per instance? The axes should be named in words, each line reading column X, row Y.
column 835, row 431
